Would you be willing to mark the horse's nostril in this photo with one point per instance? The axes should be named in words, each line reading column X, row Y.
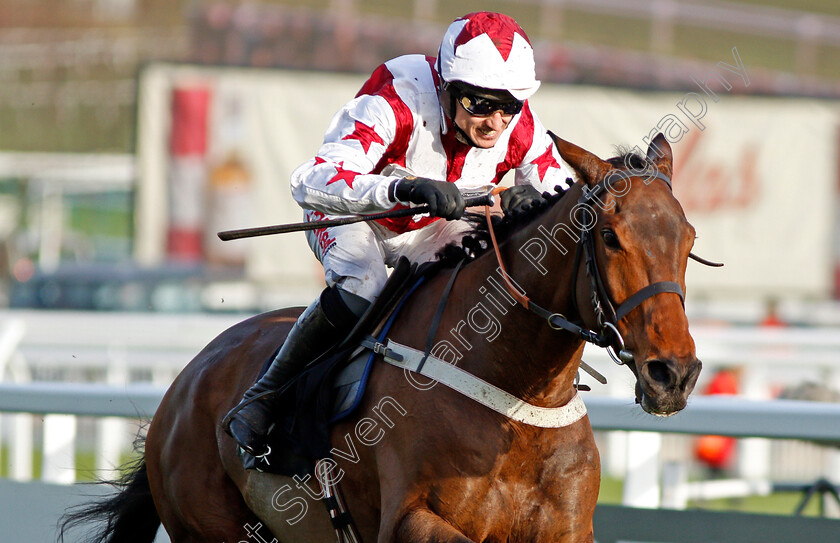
column 659, row 372
column 691, row 377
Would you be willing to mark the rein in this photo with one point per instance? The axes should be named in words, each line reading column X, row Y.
column 606, row 315
column 555, row 320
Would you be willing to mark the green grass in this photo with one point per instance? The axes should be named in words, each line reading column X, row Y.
column 715, row 45
column 634, row 34
column 780, row 503
column 828, row 60
column 44, row 126
column 83, row 129
column 101, row 215
column 610, row 491
column 85, row 464
column 611, row 31
column 828, row 7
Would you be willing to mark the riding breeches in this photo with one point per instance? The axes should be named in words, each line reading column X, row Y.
column 355, row 256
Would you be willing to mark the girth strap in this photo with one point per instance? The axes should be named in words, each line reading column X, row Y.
column 479, row 390
column 651, row 290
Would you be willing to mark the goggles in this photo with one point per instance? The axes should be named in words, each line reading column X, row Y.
column 484, row 107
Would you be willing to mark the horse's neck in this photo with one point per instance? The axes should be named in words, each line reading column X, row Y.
column 527, row 357
column 540, row 256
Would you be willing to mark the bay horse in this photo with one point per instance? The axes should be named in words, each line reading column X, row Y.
column 423, row 463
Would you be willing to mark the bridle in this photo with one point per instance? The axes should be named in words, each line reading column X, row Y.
column 607, row 316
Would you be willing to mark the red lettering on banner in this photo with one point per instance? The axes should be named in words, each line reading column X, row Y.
column 705, row 184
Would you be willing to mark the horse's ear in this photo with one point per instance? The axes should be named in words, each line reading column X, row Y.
column 588, row 166
column 659, row 153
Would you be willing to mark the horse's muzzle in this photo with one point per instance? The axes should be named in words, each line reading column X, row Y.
column 663, row 386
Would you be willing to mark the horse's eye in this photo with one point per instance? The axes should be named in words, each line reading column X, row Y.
column 610, row 239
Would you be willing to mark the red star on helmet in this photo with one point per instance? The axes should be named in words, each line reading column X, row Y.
column 500, row 28
column 545, row 161
column 343, row 175
column 319, row 160
column 365, row 134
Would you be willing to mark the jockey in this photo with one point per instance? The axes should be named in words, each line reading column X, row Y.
column 419, row 131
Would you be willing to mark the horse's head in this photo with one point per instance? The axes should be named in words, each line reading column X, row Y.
column 631, row 282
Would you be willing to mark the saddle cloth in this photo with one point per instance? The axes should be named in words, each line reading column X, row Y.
column 332, row 387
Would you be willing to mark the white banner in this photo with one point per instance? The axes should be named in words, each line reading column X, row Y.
column 757, row 177
column 757, row 181
column 282, row 117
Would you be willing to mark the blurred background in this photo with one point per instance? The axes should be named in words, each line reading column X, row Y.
column 131, row 131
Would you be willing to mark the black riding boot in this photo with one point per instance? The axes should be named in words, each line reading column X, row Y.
column 319, row 328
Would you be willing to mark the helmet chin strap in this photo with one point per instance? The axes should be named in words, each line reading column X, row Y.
column 460, row 135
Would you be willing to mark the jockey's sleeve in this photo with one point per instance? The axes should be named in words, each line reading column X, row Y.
column 542, row 166
column 339, row 179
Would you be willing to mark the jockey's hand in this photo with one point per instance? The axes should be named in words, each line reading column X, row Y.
column 444, row 198
column 519, row 199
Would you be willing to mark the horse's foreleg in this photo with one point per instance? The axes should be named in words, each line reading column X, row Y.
column 421, row 525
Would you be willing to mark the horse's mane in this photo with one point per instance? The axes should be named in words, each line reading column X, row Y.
column 478, row 241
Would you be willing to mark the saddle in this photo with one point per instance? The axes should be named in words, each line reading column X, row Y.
column 331, row 387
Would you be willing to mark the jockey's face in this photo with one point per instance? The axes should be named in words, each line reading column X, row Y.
column 484, row 131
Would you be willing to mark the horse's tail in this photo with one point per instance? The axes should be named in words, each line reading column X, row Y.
column 126, row 517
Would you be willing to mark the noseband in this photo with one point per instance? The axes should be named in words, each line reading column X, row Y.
column 606, row 315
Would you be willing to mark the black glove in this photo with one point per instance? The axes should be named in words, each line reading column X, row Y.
column 444, row 198
column 519, row 199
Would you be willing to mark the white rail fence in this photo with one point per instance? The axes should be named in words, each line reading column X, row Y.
column 128, row 360
column 112, row 348
column 778, row 419
column 141, row 352
column 768, row 361
column 783, row 419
